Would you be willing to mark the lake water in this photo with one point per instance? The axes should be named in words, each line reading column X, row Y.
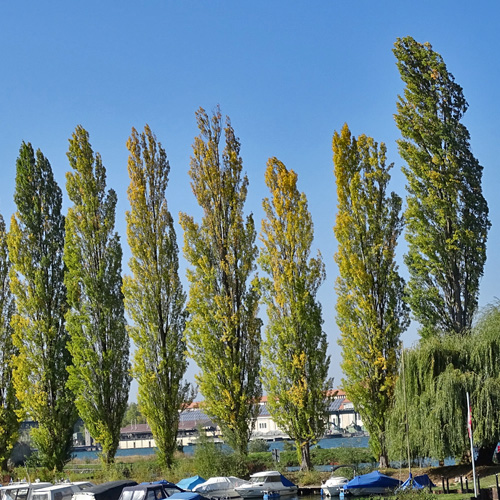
column 351, row 442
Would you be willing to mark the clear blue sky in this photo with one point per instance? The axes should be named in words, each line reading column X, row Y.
column 287, row 73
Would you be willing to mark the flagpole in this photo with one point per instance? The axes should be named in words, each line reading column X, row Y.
column 469, row 428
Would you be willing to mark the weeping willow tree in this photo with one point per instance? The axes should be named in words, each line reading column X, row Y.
column 437, row 375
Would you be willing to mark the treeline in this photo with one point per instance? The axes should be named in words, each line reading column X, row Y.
column 65, row 342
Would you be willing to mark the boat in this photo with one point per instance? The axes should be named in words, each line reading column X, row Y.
column 332, row 486
column 373, row 483
column 266, row 482
column 417, row 483
column 221, row 486
column 61, row 491
column 110, row 490
column 21, row 489
column 186, row 495
column 144, row 491
column 188, row 483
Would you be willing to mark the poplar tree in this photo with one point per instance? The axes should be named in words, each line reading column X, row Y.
column 153, row 295
column 99, row 342
column 223, row 330
column 447, row 215
column 371, row 313
column 36, row 243
column 295, row 361
column 9, row 404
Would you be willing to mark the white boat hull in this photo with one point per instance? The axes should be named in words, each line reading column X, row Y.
column 259, row 493
column 331, row 487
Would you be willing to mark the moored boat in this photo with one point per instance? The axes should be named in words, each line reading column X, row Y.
column 332, row 486
column 266, row 482
column 373, row 483
column 220, row 487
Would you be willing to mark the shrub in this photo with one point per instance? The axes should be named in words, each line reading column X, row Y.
column 258, row 445
column 211, row 460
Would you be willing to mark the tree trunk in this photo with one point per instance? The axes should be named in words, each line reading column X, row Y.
column 305, row 456
column 383, row 461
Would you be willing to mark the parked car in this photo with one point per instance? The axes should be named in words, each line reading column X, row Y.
column 105, row 491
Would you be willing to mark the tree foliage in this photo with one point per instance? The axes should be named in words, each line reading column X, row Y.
column 153, row 295
column 295, row 361
column 438, row 373
column 371, row 313
column 9, row 404
column 99, row 341
column 36, row 243
column 133, row 415
column 223, row 330
column 447, row 215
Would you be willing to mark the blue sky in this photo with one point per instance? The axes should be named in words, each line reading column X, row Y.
column 287, row 73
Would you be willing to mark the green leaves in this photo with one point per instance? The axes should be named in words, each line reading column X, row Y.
column 9, row 404
column 371, row 313
column 36, row 243
column 96, row 323
column 446, row 215
column 153, row 294
column 295, row 363
column 223, row 331
column 438, row 373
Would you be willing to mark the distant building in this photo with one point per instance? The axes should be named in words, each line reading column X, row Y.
column 342, row 419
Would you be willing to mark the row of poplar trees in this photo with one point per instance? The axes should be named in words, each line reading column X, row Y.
column 424, row 413
column 65, row 344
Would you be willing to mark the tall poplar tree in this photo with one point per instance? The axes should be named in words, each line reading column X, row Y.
column 371, row 313
column 36, row 244
column 96, row 322
column 9, row 404
column 223, row 330
column 295, row 361
column 447, row 215
column 153, row 295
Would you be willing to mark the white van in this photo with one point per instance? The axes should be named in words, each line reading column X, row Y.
column 21, row 490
